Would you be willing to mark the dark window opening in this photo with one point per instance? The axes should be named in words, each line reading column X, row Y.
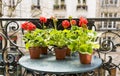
column 11, row 3
column 36, row 4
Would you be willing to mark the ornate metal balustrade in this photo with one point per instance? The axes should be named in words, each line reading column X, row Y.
column 12, row 45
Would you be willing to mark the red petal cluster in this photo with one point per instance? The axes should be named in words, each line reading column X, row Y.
column 24, row 26
column 28, row 26
column 83, row 21
column 43, row 19
column 65, row 23
column 73, row 22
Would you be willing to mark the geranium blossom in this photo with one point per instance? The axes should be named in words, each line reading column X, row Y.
column 83, row 21
column 43, row 19
column 24, row 26
column 31, row 27
column 28, row 26
column 73, row 22
column 65, row 23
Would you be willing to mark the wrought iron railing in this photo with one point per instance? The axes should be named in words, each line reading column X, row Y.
column 13, row 46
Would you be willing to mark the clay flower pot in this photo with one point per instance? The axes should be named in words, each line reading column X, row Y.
column 34, row 52
column 44, row 50
column 85, row 58
column 60, row 53
column 68, row 52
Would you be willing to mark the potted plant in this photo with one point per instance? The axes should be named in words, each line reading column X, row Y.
column 82, row 40
column 30, row 40
column 42, row 36
column 58, row 40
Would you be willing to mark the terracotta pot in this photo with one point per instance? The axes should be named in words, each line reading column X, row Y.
column 60, row 53
column 85, row 58
column 34, row 52
column 68, row 52
column 44, row 50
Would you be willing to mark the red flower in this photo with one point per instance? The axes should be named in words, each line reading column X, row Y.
column 24, row 26
column 83, row 21
column 65, row 23
column 43, row 19
column 31, row 26
column 73, row 22
column 28, row 26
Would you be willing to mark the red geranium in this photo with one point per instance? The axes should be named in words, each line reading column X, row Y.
column 43, row 19
column 65, row 23
column 73, row 22
column 31, row 26
column 83, row 21
column 24, row 26
column 28, row 26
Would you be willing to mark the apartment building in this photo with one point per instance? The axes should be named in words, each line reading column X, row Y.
column 108, row 9
column 48, row 8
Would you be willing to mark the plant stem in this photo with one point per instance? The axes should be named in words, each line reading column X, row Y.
column 43, row 26
column 55, row 26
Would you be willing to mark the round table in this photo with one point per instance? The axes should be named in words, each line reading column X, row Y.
column 49, row 64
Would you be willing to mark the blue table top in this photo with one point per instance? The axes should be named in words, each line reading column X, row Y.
column 49, row 64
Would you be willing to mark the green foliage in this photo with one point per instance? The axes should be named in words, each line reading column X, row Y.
column 77, row 39
column 37, row 38
column 82, row 40
column 57, row 38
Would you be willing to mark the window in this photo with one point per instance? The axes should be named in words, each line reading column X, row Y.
column 108, row 24
column 63, row 1
column 81, row 5
column 109, row 2
column 84, row 1
column 115, row 1
column 36, row 4
column 79, row 1
column 59, row 5
column 106, row 14
column 110, row 14
column 11, row 3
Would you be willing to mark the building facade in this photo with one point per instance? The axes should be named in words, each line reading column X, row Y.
column 48, row 8
column 108, row 9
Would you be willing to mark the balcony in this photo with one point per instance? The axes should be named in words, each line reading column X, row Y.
column 110, row 36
